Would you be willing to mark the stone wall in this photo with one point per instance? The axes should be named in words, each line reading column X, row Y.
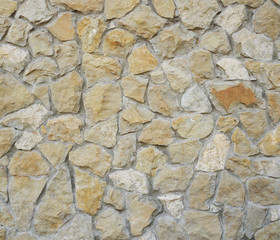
column 138, row 119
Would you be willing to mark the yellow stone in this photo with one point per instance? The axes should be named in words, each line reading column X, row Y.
column 42, row 93
column 7, row 139
column 118, row 8
column 84, row 6
column 269, row 144
column 273, row 99
column 136, row 114
column 226, row 124
column 164, row 8
column 7, row 8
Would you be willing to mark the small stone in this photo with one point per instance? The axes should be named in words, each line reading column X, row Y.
column 264, row 190
column 273, row 105
column 233, row 220
column 91, row 157
column 111, row 225
column 5, row 23
column 137, row 205
column 40, row 43
column 18, row 32
column 7, row 8
column 141, row 60
column 226, row 124
column 92, row 6
column 42, row 93
column 7, row 139
column 194, row 126
column 130, row 180
column 242, row 145
column 134, row 87
column 270, row 231
column 3, row 184
column 173, row 178
column 173, row 204
column 184, row 152
column 232, row 18
column 126, row 127
column 197, row 14
column 134, row 114
column 167, row 228
column 164, row 8
column 251, row 3
column 118, row 43
column 65, row 128
column 90, row 31
column 29, row 140
column 115, row 198
column 272, row 71
column 267, row 166
column 151, row 23
column 158, row 132
column 119, row 8
column 89, row 192
column 102, row 102
column 157, row 76
column 201, row 190
column 66, row 93
column 201, row 65
column 63, row 28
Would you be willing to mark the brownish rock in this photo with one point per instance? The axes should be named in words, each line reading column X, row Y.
column 7, row 139
column 84, row 6
column 273, row 99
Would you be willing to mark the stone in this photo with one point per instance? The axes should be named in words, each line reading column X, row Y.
column 273, row 99
column 18, row 32
column 40, row 43
column 91, row 157
column 216, row 42
column 7, row 139
column 40, row 70
column 148, row 235
column 184, row 152
column 130, row 180
column 3, row 183
column 164, row 8
column 5, row 23
column 141, row 60
column 134, row 114
column 23, row 195
column 232, row 18
column 234, row 69
column 28, row 140
column 102, row 102
column 201, row 65
column 202, row 225
column 197, row 14
column 6, row 217
column 29, row 118
column 12, row 58
column 162, row 100
column 25, row 236
column 134, row 87
column 264, row 190
column 274, row 214
column 84, row 6
column 111, row 224
column 2, row 233
column 150, row 160
column 89, row 192
column 267, row 166
column 251, row 3
column 118, row 43
column 255, row 123
column 55, row 152
column 42, row 93
column 173, row 204
column 201, row 190
column 62, row 28
column 65, row 128
column 67, row 56
column 167, row 228
column 4, row 161
column 227, row 123
column 194, row 126
column 173, row 178
column 178, row 74
column 90, row 31
column 276, row 1
column 119, row 8
column 158, row 132
column 195, row 100
column 232, row 220
column 115, row 198
column 35, row 11
column 7, row 8
column 256, row 46
column 267, row 20
column 137, row 205
column 270, row 231
column 242, row 145
column 151, row 23
column 230, row 191
column 126, row 127
column 66, row 93
column 56, row 206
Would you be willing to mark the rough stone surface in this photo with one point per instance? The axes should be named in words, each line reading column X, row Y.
column 269, row 144
column 28, row 140
column 5, row 23
column 7, row 139
column 84, row 6
column 119, row 8
column 167, row 228
column 226, row 124
column 241, row 167
column 115, row 198
column 164, row 8
column 40, row 43
column 270, row 231
column 267, row 166
column 173, row 204
column 3, row 183
column 273, row 99
column 7, row 8
column 233, row 221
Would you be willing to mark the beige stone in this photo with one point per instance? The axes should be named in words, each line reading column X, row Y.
column 164, row 8
column 7, row 139
column 251, row 3
column 167, row 228
column 28, row 140
column 118, row 43
column 233, row 220
column 276, row 1
column 89, row 192
column 102, row 102
column 151, row 23
column 157, row 76
column 6, row 218
column 25, row 236
column 2, row 233
column 65, row 128
column 270, row 231
column 134, row 87
column 18, row 32
column 91, row 157
column 267, row 166
column 148, row 235
column 40, row 43
column 126, row 127
column 5, row 23
column 66, row 93
column 118, row 8
column 137, row 114
column 158, row 132
column 173, row 204
column 42, row 93
column 63, row 28
column 269, row 144
column 227, row 123
column 115, row 198
column 3, row 183
column 84, row 6
column 7, row 8
column 272, row 71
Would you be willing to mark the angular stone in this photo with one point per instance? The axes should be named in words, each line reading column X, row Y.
column 197, row 14
column 28, row 140
column 151, row 23
column 63, row 28
column 111, row 225
column 115, row 198
column 84, row 6
column 102, row 102
column 173, row 204
column 91, row 157
column 158, row 132
column 3, row 184
column 251, row 3
column 273, row 99
column 135, row 114
column 65, row 128
column 119, row 8
column 157, row 76
column 270, row 231
column 42, row 93
column 89, row 192
column 233, row 221
column 164, row 8
column 267, row 166
column 7, row 139
column 227, row 123
column 184, row 152
column 5, row 23
column 18, row 32
column 40, row 43
column 126, row 127
column 56, row 206
column 173, row 178
column 137, row 205
column 7, row 8
column 201, row 65
column 118, row 43
column 194, row 126
column 167, row 228
column 6, row 218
